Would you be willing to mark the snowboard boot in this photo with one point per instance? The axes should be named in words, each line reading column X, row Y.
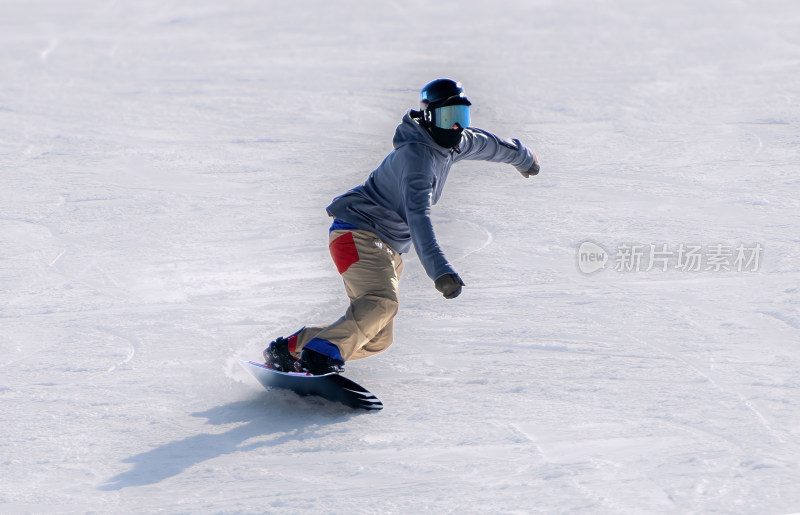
column 319, row 364
column 278, row 357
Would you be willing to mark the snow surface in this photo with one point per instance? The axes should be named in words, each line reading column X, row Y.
column 165, row 167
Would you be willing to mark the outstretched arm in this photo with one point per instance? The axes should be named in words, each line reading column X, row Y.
column 478, row 144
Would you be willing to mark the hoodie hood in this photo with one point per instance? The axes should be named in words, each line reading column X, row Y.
column 410, row 131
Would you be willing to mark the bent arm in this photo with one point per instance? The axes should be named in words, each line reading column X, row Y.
column 418, row 190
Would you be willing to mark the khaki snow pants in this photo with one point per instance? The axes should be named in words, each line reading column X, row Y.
column 371, row 271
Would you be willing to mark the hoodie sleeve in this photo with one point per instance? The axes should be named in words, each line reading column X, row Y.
column 480, row 145
column 417, row 186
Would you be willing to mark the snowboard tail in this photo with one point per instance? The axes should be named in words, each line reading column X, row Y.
column 333, row 387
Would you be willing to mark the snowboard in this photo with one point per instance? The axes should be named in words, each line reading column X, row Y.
column 332, row 387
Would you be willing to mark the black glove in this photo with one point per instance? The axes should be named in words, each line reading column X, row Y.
column 449, row 285
column 534, row 169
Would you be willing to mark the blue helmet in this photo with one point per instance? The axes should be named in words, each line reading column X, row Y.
column 442, row 92
column 444, row 104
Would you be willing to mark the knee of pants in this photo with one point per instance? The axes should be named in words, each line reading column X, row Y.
column 376, row 305
column 380, row 343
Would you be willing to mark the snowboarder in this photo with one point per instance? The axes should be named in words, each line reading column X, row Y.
column 376, row 222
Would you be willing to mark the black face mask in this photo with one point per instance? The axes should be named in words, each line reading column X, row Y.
column 447, row 138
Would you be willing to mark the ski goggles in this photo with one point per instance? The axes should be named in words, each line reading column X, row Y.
column 447, row 116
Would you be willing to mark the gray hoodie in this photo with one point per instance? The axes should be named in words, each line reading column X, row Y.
column 395, row 201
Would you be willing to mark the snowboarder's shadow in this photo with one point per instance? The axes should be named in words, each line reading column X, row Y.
column 292, row 419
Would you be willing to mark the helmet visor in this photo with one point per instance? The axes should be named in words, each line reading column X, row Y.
column 448, row 116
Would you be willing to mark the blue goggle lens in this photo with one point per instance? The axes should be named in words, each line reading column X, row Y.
column 448, row 116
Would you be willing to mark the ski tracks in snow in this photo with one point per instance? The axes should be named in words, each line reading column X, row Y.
column 133, row 345
column 732, row 374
